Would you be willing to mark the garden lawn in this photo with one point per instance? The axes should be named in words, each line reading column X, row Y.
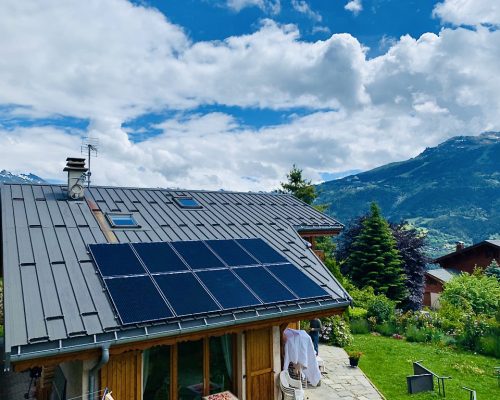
column 387, row 362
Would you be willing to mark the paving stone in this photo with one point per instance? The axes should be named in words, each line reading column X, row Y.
column 340, row 381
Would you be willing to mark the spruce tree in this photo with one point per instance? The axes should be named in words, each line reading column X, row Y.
column 375, row 260
column 493, row 269
column 298, row 186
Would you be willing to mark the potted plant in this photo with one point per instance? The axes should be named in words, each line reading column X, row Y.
column 354, row 357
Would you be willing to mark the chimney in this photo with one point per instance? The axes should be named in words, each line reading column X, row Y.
column 76, row 177
column 460, row 246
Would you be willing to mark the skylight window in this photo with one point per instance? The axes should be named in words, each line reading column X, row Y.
column 122, row 220
column 187, row 202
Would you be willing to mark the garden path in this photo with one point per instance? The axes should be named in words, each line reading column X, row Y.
column 340, row 380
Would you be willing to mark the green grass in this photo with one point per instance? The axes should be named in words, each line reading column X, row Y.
column 387, row 362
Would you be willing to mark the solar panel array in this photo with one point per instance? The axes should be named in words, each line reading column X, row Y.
column 161, row 280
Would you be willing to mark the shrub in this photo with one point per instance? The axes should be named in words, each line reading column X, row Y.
column 386, row 329
column 478, row 293
column 381, row 308
column 360, row 297
column 357, row 313
column 359, row 326
column 475, row 327
column 336, row 332
column 490, row 345
column 414, row 334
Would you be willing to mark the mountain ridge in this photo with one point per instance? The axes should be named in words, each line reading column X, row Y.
column 9, row 177
column 452, row 190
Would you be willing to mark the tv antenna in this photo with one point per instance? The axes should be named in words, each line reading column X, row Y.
column 90, row 146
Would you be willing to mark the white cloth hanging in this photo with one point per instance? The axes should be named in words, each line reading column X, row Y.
column 299, row 350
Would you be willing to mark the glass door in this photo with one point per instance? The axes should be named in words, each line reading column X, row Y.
column 190, row 370
column 156, row 373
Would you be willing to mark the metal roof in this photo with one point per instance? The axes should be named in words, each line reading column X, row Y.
column 442, row 274
column 55, row 301
column 495, row 243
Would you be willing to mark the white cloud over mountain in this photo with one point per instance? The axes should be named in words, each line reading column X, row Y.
column 110, row 61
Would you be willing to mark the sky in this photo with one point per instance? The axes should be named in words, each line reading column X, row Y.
column 229, row 94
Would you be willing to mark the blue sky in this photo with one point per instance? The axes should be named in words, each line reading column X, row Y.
column 230, row 93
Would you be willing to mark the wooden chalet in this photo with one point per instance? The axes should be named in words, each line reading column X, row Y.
column 463, row 259
column 88, row 329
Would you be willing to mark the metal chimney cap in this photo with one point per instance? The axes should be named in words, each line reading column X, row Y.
column 75, row 164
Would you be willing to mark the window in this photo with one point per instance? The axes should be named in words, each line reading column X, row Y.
column 187, row 202
column 189, row 370
column 156, row 373
column 122, row 220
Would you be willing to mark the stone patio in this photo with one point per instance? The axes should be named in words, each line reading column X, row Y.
column 340, row 380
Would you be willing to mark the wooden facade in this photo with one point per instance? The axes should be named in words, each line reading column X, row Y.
column 259, row 364
column 123, row 375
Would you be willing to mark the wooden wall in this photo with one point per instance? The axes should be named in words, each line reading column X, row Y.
column 123, row 375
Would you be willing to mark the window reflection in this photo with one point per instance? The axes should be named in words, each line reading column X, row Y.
column 221, row 363
column 190, row 370
column 156, row 373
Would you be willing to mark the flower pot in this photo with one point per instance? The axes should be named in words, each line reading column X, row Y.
column 353, row 361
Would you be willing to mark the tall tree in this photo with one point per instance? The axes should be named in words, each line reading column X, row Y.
column 410, row 242
column 347, row 238
column 375, row 260
column 297, row 185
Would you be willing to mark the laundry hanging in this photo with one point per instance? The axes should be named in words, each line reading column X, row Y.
column 299, row 350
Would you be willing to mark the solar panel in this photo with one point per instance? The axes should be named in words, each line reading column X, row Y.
column 197, row 255
column 227, row 289
column 137, row 300
column 116, row 259
column 297, row 281
column 185, row 294
column 262, row 251
column 159, row 257
column 264, row 285
column 231, row 253
column 193, row 280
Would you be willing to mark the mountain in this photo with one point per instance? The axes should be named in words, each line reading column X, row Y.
column 452, row 190
column 7, row 177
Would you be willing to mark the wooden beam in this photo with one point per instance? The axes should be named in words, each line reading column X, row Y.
column 206, row 366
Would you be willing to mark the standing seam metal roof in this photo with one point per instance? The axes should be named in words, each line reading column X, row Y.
column 53, row 296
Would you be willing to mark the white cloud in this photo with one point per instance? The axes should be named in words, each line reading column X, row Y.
column 117, row 61
column 268, row 6
column 469, row 12
column 303, row 7
column 354, row 6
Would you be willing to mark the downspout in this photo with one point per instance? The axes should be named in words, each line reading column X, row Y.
column 95, row 369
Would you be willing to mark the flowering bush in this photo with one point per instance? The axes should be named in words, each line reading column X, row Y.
column 336, row 332
column 475, row 327
column 381, row 308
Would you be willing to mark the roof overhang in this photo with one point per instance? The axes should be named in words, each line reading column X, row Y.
column 319, row 230
column 230, row 323
column 486, row 243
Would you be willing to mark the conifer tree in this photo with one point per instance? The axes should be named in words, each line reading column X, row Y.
column 298, row 186
column 493, row 269
column 375, row 260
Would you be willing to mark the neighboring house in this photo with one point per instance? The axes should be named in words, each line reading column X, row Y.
column 463, row 259
column 434, row 282
column 143, row 291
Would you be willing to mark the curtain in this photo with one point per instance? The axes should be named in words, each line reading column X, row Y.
column 145, row 369
column 226, row 344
